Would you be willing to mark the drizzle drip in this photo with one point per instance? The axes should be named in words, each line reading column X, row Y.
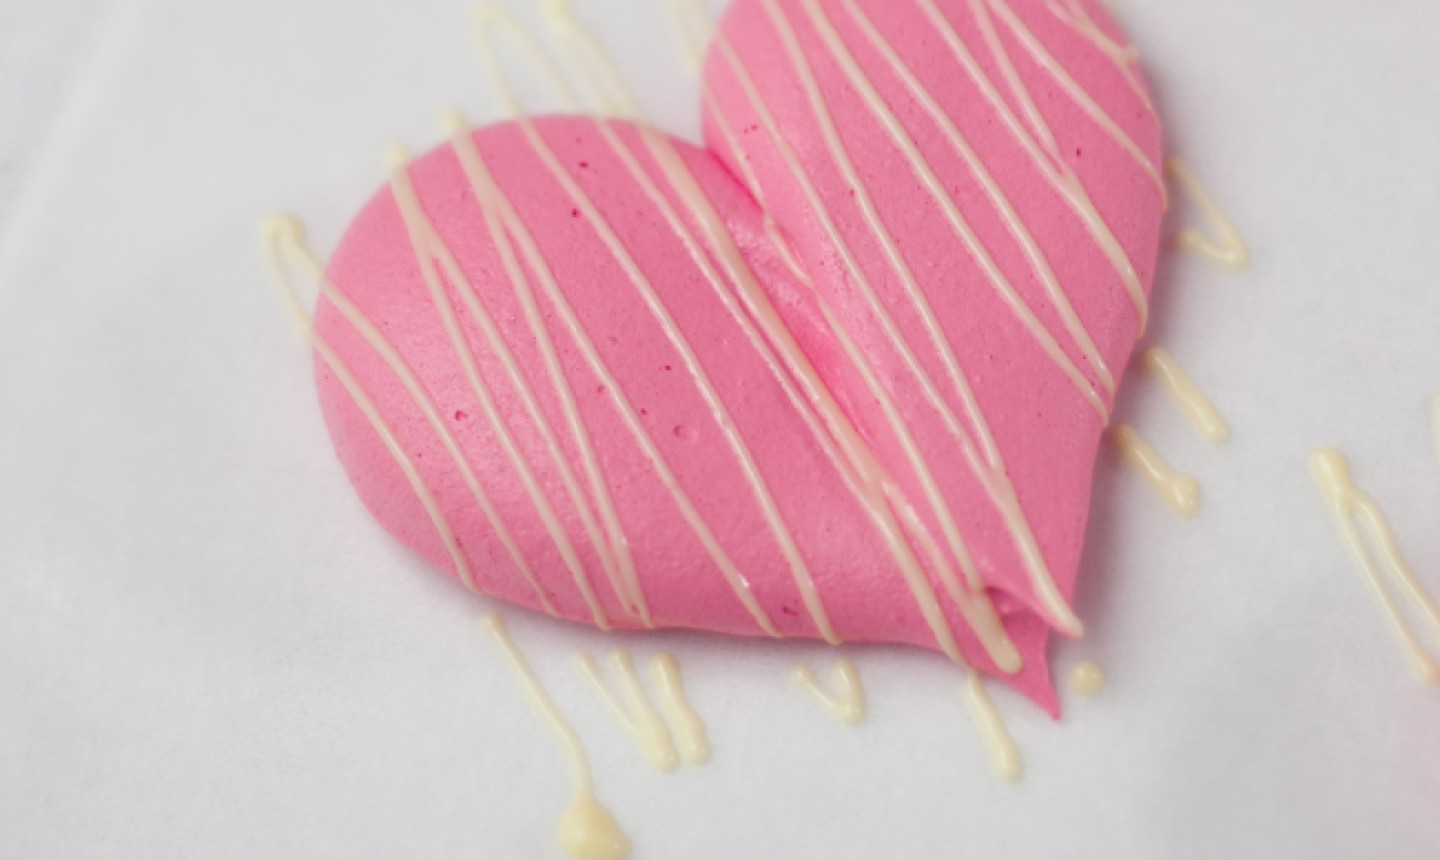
column 641, row 719
column 1181, row 492
column 587, row 830
column 1004, row 754
column 1087, row 679
column 1187, row 396
column 1376, row 550
column 1228, row 249
column 847, row 703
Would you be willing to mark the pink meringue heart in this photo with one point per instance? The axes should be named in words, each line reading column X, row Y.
column 843, row 375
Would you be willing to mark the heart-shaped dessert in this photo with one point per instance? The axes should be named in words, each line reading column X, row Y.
column 841, row 375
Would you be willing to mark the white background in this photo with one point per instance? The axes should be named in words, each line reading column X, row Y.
column 207, row 649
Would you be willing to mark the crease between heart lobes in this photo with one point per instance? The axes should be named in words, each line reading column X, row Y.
column 842, row 375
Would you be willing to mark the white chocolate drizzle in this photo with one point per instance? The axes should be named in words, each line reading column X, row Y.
column 1087, row 679
column 991, row 471
column 285, row 233
column 428, row 249
column 943, row 198
column 1072, row 88
column 587, row 830
column 847, row 703
column 876, row 491
column 639, row 716
column 1041, row 146
column 861, row 472
column 1372, row 547
column 695, row 28
column 1187, row 396
column 1227, row 249
column 1181, row 492
column 1004, row 754
column 1125, row 56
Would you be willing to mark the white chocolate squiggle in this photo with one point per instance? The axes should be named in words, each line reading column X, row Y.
column 641, row 719
column 1378, row 556
column 1228, row 249
column 847, row 703
column 587, row 830
column 1181, row 492
column 1187, row 396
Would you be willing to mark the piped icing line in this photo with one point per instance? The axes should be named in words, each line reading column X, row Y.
column 847, row 703
column 1014, row 224
column 285, row 232
column 494, row 17
column 614, row 549
column 695, row 29
column 1377, row 549
column 1181, row 492
column 278, row 231
column 861, row 363
column 607, row 88
column 1187, row 396
column 993, row 478
column 1062, row 77
column 1125, row 56
column 639, row 716
column 685, row 722
column 720, row 412
column 428, row 249
column 587, row 830
column 864, row 476
column 485, row 189
column 1044, row 151
column 1087, row 679
column 1228, row 249
column 1004, row 754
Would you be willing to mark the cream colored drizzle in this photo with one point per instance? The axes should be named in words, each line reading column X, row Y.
column 1181, row 492
column 847, row 704
column 868, row 375
column 1004, row 754
column 614, row 551
column 285, row 232
column 587, row 830
column 429, row 247
column 864, row 476
column 490, row 195
column 1228, row 249
column 1067, row 82
column 1187, row 396
column 1355, row 511
column 641, row 719
column 688, row 728
column 1087, row 679
column 1044, row 152
column 994, row 478
column 695, row 30
column 610, row 89
column 1125, row 57
column 942, row 197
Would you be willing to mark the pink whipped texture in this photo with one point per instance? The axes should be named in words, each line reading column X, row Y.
column 1046, row 431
